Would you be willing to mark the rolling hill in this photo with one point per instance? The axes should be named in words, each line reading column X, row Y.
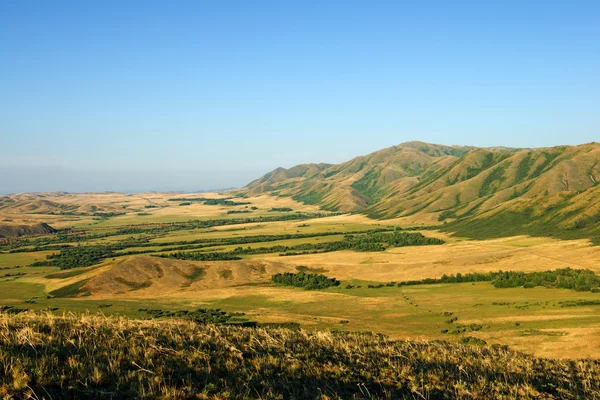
column 482, row 192
column 7, row 231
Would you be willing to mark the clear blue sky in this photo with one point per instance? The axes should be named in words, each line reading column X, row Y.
column 142, row 95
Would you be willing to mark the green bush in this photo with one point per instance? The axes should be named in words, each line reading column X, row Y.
column 304, row 280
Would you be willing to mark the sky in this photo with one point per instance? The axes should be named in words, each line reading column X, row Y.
column 199, row 95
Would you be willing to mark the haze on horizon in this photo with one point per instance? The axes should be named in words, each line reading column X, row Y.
column 196, row 95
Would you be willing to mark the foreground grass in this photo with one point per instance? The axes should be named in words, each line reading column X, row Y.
column 42, row 356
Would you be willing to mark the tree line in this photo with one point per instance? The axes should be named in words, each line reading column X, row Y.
column 77, row 235
column 71, row 256
column 377, row 241
column 211, row 202
column 582, row 280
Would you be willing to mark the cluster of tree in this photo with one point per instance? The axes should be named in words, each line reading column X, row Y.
column 83, row 214
column 223, row 202
column 185, row 203
column 564, row 278
column 458, row 278
column 76, row 256
column 304, row 280
column 115, row 246
column 281, row 209
column 371, row 241
column 199, row 256
column 205, row 243
column 209, row 223
column 211, row 202
column 582, row 280
column 579, row 303
column 202, row 316
column 179, row 246
column 107, row 214
column 194, row 199
column 39, row 248
column 238, row 211
column 70, row 235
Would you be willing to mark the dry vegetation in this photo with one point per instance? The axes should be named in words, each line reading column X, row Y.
column 47, row 356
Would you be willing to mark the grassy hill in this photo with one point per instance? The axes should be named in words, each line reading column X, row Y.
column 97, row 357
column 7, row 231
column 539, row 191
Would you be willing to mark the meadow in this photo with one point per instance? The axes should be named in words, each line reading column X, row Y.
column 128, row 272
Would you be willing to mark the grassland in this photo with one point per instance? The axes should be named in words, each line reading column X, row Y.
column 534, row 321
column 47, row 356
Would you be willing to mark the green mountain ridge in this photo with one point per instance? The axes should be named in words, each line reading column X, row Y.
column 543, row 191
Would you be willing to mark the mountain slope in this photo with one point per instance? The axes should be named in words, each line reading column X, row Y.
column 557, row 185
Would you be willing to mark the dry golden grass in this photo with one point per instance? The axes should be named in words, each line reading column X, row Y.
column 91, row 356
column 406, row 263
column 33, row 208
column 145, row 276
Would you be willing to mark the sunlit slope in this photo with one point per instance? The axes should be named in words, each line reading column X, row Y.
column 153, row 276
column 558, row 185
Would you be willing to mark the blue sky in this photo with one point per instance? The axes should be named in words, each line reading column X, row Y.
column 142, row 95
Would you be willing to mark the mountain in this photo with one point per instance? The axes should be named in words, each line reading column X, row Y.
column 530, row 190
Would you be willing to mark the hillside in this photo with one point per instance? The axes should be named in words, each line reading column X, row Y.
column 536, row 189
column 8, row 231
column 98, row 357
column 148, row 276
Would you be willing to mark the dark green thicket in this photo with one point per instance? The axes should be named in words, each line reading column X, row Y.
column 377, row 241
column 579, row 303
column 82, row 256
column 201, row 316
column 197, row 256
column 565, row 278
column 304, row 280
column 210, row 202
column 76, row 256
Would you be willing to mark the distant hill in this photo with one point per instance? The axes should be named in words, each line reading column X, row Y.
column 7, row 231
column 547, row 191
column 60, row 203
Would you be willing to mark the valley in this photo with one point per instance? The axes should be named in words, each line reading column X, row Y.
column 123, row 254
